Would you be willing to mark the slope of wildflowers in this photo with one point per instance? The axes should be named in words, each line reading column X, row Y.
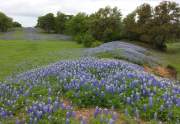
column 124, row 50
column 37, row 96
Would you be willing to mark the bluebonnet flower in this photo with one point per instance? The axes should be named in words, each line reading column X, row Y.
column 96, row 112
column 83, row 120
column 150, row 101
column 155, row 116
column 111, row 121
column 126, row 112
column 128, row 100
column 67, row 121
column 137, row 113
column 145, row 107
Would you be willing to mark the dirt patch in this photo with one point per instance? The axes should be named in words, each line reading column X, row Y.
column 86, row 113
column 167, row 72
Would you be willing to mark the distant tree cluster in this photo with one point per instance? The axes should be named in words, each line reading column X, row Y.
column 154, row 26
column 7, row 23
column 16, row 24
column 50, row 23
column 103, row 26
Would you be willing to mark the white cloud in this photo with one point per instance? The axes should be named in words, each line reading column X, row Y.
column 27, row 11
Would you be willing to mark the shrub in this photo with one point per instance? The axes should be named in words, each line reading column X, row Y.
column 79, row 38
column 96, row 43
column 86, row 39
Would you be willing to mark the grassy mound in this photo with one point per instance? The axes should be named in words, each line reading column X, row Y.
column 91, row 82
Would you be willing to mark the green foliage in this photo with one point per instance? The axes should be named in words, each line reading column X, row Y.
column 58, row 117
column 60, row 22
column 86, row 39
column 154, row 26
column 79, row 38
column 91, row 99
column 130, row 27
column 96, row 43
column 5, row 22
column 47, row 22
column 105, row 24
column 78, row 24
column 17, row 25
column 165, row 23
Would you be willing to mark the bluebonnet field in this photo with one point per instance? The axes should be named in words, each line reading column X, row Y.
column 37, row 96
column 124, row 50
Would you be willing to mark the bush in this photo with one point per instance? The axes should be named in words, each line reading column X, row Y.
column 96, row 43
column 86, row 39
column 159, row 43
column 79, row 38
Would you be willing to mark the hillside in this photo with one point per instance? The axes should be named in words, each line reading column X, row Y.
column 58, row 78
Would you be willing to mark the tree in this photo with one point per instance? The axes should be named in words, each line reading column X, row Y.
column 47, row 22
column 144, row 22
column 16, row 24
column 77, row 24
column 130, row 27
column 165, row 23
column 5, row 22
column 60, row 22
column 154, row 26
column 105, row 24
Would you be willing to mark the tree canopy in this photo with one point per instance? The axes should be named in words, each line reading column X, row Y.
column 78, row 24
column 151, row 25
column 7, row 23
column 60, row 22
column 106, row 24
column 47, row 22
column 16, row 24
column 154, row 25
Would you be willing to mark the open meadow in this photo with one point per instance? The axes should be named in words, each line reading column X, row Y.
column 89, row 62
column 75, row 83
column 19, row 55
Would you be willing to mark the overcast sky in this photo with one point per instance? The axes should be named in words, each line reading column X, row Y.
column 27, row 11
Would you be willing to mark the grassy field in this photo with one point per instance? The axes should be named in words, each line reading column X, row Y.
column 19, row 56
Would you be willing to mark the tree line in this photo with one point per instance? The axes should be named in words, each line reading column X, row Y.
column 7, row 23
column 154, row 26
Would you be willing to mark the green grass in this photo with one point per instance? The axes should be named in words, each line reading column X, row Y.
column 171, row 57
column 17, row 56
column 17, row 33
